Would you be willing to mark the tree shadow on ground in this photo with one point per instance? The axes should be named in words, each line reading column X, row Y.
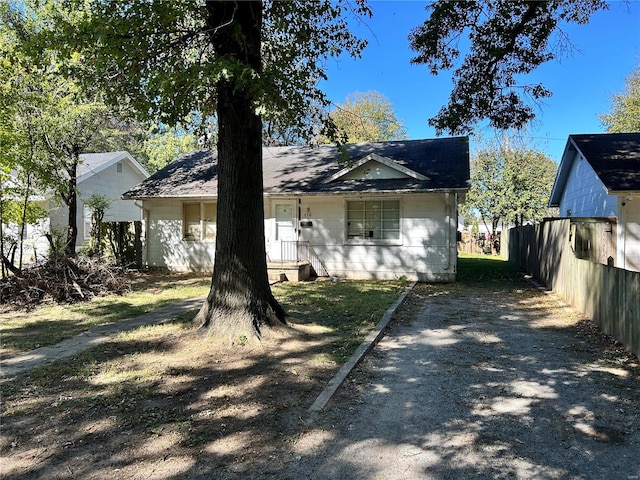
column 478, row 382
column 482, row 379
column 163, row 402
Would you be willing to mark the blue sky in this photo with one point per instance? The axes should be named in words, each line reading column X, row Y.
column 607, row 50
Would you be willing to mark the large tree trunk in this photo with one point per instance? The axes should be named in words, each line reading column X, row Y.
column 240, row 301
column 494, row 230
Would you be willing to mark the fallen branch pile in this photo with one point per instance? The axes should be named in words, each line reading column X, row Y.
column 65, row 280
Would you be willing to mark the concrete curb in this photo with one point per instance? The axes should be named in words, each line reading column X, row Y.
column 368, row 343
column 11, row 367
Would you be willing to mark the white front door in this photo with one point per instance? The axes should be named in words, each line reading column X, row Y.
column 284, row 231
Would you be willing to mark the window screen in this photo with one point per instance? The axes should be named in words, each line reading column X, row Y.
column 199, row 221
column 208, row 221
column 192, row 227
column 373, row 220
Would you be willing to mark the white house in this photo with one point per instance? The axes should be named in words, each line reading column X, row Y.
column 599, row 178
column 110, row 174
column 390, row 212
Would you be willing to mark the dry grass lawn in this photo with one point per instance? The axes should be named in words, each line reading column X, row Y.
column 165, row 402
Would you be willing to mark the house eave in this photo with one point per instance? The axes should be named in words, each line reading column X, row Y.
column 301, row 193
column 170, row 197
column 622, row 193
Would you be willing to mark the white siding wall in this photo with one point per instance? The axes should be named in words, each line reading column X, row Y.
column 58, row 218
column 35, row 246
column 628, row 241
column 584, row 194
column 165, row 245
column 373, row 170
column 427, row 250
column 112, row 185
column 109, row 183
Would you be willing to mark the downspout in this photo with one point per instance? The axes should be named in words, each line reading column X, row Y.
column 622, row 222
column 447, row 211
column 145, row 248
column 455, row 232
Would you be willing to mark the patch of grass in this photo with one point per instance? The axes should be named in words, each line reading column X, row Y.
column 344, row 312
column 348, row 309
column 485, row 269
column 22, row 331
column 163, row 386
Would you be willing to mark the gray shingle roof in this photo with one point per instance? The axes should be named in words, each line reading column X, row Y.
column 615, row 157
column 302, row 170
column 91, row 161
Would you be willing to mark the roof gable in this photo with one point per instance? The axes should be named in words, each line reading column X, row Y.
column 374, row 167
column 93, row 163
column 614, row 157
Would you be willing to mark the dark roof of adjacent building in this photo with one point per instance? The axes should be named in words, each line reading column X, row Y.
column 441, row 164
column 614, row 157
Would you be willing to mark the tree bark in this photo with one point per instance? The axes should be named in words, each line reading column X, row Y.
column 240, row 301
column 72, row 204
column 23, row 220
column 2, row 202
column 137, row 244
column 494, row 229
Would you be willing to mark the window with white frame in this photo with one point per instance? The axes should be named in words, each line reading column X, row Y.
column 373, row 220
column 199, row 220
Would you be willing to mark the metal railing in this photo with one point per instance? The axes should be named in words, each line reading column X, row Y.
column 294, row 251
column 300, row 251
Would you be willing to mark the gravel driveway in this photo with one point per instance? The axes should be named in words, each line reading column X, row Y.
column 477, row 382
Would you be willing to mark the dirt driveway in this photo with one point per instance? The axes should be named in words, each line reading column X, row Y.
column 477, row 382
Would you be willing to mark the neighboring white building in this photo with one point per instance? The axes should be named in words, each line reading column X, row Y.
column 110, row 174
column 599, row 178
column 391, row 212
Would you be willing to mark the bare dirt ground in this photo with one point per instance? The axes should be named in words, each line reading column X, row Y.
column 475, row 383
column 473, row 380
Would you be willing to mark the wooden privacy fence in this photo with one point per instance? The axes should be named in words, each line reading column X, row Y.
column 610, row 296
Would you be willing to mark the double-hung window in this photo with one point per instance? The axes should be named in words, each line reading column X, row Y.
column 376, row 221
column 199, row 220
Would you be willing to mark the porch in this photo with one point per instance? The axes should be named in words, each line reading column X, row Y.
column 297, row 263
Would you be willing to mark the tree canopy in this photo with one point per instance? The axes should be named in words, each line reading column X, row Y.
column 509, row 184
column 181, row 61
column 624, row 116
column 158, row 56
column 367, row 117
column 163, row 145
column 506, row 39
